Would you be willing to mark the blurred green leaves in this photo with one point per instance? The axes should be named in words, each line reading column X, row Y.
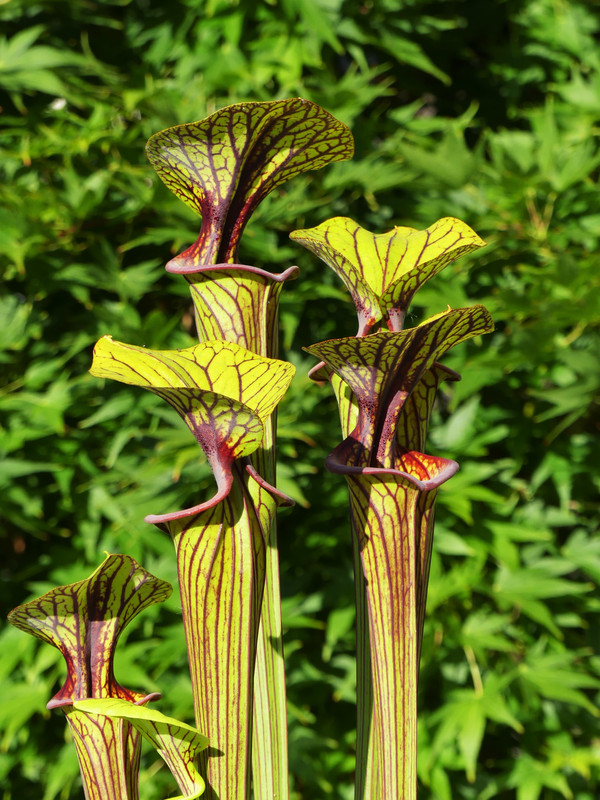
column 29, row 67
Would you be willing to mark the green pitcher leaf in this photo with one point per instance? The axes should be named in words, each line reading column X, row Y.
column 413, row 420
column 223, row 392
column 383, row 271
column 220, row 368
column 224, row 165
column 420, row 469
column 386, row 385
column 221, row 561
column 177, row 743
column 238, row 303
column 108, row 751
column 411, row 433
column 84, row 620
column 382, row 369
column 386, row 513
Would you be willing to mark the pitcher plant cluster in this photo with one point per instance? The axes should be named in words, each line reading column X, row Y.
column 226, row 388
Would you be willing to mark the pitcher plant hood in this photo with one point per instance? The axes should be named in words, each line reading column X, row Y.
column 225, row 165
column 223, row 392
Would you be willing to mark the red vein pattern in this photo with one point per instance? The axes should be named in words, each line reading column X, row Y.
column 386, row 383
column 178, row 744
column 221, row 563
column 224, row 165
column 224, row 393
column 84, row 620
column 383, row 271
column 382, row 370
column 108, row 751
column 385, row 511
column 411, row 434
column 218, row 367
column 239, row 303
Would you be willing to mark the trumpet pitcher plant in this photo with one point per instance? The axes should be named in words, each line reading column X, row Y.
column 223, row 167
column 386, row 381
column 84, row 621
column 226, row 389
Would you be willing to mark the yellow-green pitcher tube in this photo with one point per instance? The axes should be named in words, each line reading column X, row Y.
column 239, row 303
column 223, row 167
column 221, row 562
column 389, row 508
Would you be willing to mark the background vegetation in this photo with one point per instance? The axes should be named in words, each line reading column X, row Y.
column 483, row 110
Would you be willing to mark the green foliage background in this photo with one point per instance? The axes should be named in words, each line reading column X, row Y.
column 483, row 110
